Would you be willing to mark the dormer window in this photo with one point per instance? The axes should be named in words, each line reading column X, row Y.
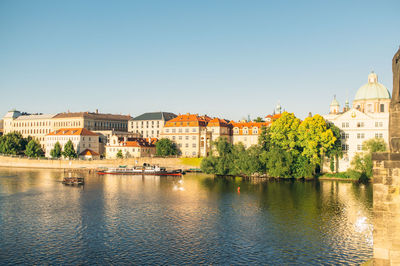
column 236, row 130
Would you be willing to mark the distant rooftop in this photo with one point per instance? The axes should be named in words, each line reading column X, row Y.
column 34, row 116
column 156, row 116
column 93, row 116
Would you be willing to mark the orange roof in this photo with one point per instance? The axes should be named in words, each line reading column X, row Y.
column 274, row 117
column 138, row 144
column 72, row 131
column 89, row 152
column 188, row 120
column 217, row 122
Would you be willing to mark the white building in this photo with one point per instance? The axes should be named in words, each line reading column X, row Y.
column 149, row 125
column 85, row 141
column 369, row 118
column 130, row 147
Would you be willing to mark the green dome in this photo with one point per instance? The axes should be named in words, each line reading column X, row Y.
column 372, row 90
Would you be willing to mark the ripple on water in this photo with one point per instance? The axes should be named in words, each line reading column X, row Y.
column 135, row 220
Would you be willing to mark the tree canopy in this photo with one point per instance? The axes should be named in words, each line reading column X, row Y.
column 69, row 150
column 288, row 148
column 56, row 152
column 165, row 147
column 33, row 149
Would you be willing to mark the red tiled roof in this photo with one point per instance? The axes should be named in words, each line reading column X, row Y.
column 217, row 122
column 72, row 132
column 187, row 120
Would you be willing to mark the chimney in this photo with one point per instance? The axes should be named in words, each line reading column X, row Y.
column 97, row 111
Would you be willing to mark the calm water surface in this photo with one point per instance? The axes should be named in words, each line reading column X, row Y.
column 189, row 220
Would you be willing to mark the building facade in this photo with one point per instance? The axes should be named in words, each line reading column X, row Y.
column 81, row 138
column 367, row 119
column 34, row 125
column 194, row 134
column 247, row 133
column 149, row 125
column 91, row 121
column 39, row 125
column 130, row 147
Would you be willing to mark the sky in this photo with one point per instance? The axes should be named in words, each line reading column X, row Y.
column 230, row 59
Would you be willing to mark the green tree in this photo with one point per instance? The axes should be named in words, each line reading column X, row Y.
column 258, row 119
column 315, row 138
column 335, row 152
column 302, row 167
column 120, row 155
column 56, row 151
column 33, row 149
column 69, row 150
column 246, row 161
column 362, row 162
column 165, row 147
column 284, row 132
column 279, row 162
column 12, row 143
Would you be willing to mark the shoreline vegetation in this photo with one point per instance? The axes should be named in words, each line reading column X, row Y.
column 291, row 149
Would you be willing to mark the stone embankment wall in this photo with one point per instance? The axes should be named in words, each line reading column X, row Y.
column 93, row 164
column 386, row 183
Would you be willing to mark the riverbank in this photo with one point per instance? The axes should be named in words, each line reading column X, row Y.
column 181, row 163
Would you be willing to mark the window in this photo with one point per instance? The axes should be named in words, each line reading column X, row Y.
column 378, row 124
column 194, row 153
column 187, row 137
column 186, row 130
column 194, row 137
column 173, row 137
column 345, row 147
column 359, row 147
column 345, row 124
column 194, row 130
column 173, row 130
column 382, row 108
column 360, row 135
column 345, row 136
column 194, row 145
column 180, row 137
column 255, row 130
column 378, row 135
column 236, row 130
column 180, row 130
column 166, row 130
column 360, row 124
column 245, row 130
column 180, row 145
column 187, row 145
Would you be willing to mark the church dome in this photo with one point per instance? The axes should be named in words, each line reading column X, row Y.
column 372, row 90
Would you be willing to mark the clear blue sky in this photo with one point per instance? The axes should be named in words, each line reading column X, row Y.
column 222, row 58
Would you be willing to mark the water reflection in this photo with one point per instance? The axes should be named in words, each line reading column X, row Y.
column 193, row 219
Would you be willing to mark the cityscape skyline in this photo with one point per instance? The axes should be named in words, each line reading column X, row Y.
column 227, row 59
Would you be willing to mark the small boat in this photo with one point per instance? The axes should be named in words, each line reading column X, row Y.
column 146, row 169
column 73, row 181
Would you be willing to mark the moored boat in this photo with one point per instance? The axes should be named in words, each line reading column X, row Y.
column 146, row 169
column 73, row 181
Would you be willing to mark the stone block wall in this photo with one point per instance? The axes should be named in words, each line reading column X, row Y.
column 386, row 208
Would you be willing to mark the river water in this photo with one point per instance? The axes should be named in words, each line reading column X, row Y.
column 190, row 220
